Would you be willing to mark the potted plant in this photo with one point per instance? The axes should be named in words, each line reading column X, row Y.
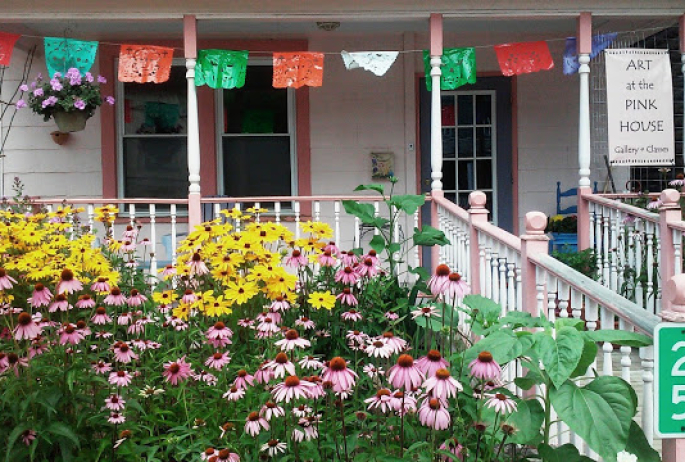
column 71, row 99
column 563, row 232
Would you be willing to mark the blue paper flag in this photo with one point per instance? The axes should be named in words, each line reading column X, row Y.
column 61, row 54
column 599, row 43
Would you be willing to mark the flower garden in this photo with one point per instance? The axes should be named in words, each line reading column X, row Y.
column 259, row 345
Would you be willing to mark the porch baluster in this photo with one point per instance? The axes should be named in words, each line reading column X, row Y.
column 237, row 220
column 296, row 209
column 647, row 363
column 90, row 212
column 317, row 211
column 436, row 110
column 257, row 206
column 417, row 256
column 217, row 211
column 336, row 213
column 132, row 214
column 153, row 244
column 608, row 347
column 172, row 211
column 626, row 362
column 277, row 211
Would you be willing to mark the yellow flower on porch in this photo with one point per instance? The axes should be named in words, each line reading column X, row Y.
column 320, row 300
column 106, row 213
column 240, row 292
column 556, row 218
column 256, row 210
column 233, row 213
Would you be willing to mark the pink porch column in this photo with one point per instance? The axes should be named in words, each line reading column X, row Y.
column 584, row 48
column 533, row 242
column 190, row 52
column 668, row 212
column 477, row 214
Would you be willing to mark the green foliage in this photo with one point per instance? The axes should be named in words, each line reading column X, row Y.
column 584, row 261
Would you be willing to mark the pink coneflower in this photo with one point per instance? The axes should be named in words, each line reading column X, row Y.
column 484, row 367
column 136, row 298
column 123, row 353
column 316, row 391
column 337, row 372
column 456, row 287
column 430, row 363
column 120, row 378
column 326, row 259
column 280, row 365
column 6, row 280
column 243, row 380
column 69, row 334
column 381, row 400
column 168, row 271
column 378, row 348
column 372, row 371
column 655, row 203
column 305, row 323
column 197, row 266
column 37, row 348
column 273, row 447
column 85, row 301
column 26, row 328
column 367, row 268
column 310, row 362
column 373, row 255
column 437, row 282
column 403, row 403
column 116, row 418
column 279, row 304
column 40, row 297
column 83, row 328
column 227, row 456
column 60, row 304
column 351, row 315
column 397, row 344
column 128, row 245
column 255, row 423
column 115, row 297
column 206, row 377
column 218, row 360
column 453, row 447
column 130, row 232
column 68, row 283
column 268, row 326
column 442, row 385
column 296, row 259
column 234, row 394
column 4, row 362
column 101, row 367
column 332, row 248
column 302, row 410
column 292, row 340
column 425, row 312
column 291, row 388
column 405, row 374
column 125, row 318
column 115, row 403
column 263, row 374
column 100, row 286
column 271, row 410
column 14, row 361
column 177, row 371
column 356, row 336
column 391, row 316
column 349, row 258
column 432, row 413
column 501, row 403
column 347, row 298
column 27, row 437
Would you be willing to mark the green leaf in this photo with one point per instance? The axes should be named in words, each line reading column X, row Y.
column 607, row 403
column 619, row 337
column 421, row 272
column 489, row 310
column 61, row 429
column 527, row 420
column 586, row 359
column 364, row 212
column 503, row 345
column 638, row 445
column 577, row 324
column 371, row 187
column 394, row 247
column 377, row 243
column 560, row 356
column 408, row 203
column 525, row 383
column 16, row 432
column 429, row 236
column 565, row 453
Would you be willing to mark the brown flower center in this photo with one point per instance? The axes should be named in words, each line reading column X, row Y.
column 81, row 324
column 454, row 277
column 382, row 392
column 292, row 335
column 197, row 257
column 24, row 319
column 174, row 368
column 123, row 348
column 442, row 270
column 281, row 358
column 115, row 291
column 67, row 275
column 217, row 356
column 405, row 361
column 442, row 374
column 70, row 329
column 39, row 287
column 292, row 381
column 224, row 453
column 434, row 404
column 338, row 364
column 242, row 373
column 485, row 357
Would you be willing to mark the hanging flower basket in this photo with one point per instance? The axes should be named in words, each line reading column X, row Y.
column 68, row 122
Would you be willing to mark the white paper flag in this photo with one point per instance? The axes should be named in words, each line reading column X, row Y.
column 377, row 62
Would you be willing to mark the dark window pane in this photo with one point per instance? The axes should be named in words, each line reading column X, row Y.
column 465, row 142
column 448, row 145
column 465, row 109
column 483, row 109
column 483, row 142
column 452, row 197
column 257, row 107
column 448, row 175
column 447, row 110
column 257, row 166
column 484, row 174
column 155, row 167
column 465, row 175
column 152, row 108
column 488, row 201
column 464, row 200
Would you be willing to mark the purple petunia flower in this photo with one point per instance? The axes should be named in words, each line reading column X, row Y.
column 21, row 104
column 50, row 101
column 23, row 87
column 101, row 79
column 38, row 92
column 110, row 100
column 79, row 104
column 56, row 84
column 89, row 77
column 57, row 75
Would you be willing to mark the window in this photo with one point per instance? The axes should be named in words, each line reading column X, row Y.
column 152, row 135
column 256, row 145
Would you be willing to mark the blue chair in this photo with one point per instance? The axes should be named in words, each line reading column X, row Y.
column 565, row 242
column 568, row 193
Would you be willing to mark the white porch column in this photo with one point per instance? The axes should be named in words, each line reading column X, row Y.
column 584, row 48
column 190, row 52
column 436, row 110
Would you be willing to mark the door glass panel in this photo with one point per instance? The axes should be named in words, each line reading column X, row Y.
column 466, row 175
column 155, row 167
column 448, row 143
column 463, row 199
column 449, row 176
column 483, row 109
column 447, row 111
column 483, row 142
column 245, row 162
column 484, row 174
column 465, row 108
column 465, row 142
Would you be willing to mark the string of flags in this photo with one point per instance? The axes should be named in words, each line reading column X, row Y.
column 227, row 69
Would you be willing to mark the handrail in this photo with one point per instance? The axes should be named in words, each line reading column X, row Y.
column 451, row 207
column 100, row 200
column 620, row 306
column 630, row 209
column 327, row 198
column 679, row 225
column 504, row 237
column 630, row 195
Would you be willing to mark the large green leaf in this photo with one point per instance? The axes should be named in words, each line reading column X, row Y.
column 429, row 236
column 586, row 359
column 61, row 429
column 565, row 453
column 560, row 356
column 371, row 187
column 364, row 212
column 503, row 345
column 408, row 203
column 483, row 308
column 527, row 420
column 377, row 243
column 600, row 413
column 638, row 445
column 619, row 337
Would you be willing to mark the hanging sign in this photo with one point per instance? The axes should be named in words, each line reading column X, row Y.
column 297, row 69
column 377, row 62
column 599, row 44
column 639, row 107
column 524, row 58
column 61, row 54
column 221, row 68
column 145, row 63
column 7, row 42
column 458, row 68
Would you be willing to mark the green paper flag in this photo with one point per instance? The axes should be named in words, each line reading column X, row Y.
column 221, row 68
column 61, row 54
column 458, row 68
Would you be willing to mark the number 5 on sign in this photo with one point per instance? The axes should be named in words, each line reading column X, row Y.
column 669, row 380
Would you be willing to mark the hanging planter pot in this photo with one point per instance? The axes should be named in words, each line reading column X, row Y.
column 68, row 122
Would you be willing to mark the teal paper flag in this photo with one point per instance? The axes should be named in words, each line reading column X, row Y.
column 61, row 54
column 221, row 68
column 458, row 68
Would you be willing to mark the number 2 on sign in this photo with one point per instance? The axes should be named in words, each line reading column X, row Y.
column 678, row 390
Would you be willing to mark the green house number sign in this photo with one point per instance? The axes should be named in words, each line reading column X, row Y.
column 669, row 389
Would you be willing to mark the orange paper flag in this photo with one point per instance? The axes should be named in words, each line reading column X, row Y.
column 524, row 58
column 144, row 63
column 7, row 41
column 298, row 69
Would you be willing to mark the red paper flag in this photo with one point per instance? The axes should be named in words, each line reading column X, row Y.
column 7, row 42
column 524, row 58
column 297, row 69
column 145, row 63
